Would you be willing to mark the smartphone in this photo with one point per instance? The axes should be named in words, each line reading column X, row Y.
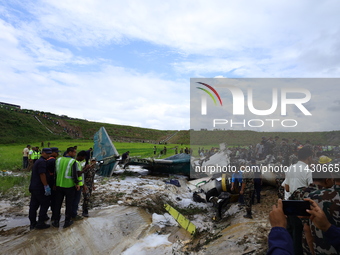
column 296, row 207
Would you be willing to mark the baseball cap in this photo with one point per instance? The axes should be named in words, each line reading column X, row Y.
column 47, row 150
column 55, row 149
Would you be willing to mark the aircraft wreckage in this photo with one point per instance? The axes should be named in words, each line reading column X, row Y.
column 210, row 176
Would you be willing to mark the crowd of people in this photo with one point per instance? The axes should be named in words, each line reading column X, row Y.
column 74, row 132
column 312, row 174
column 164, row 151
column 30, row 155
column 323, row 187
column 205, row 152
column 284, row 151
column 55, row 178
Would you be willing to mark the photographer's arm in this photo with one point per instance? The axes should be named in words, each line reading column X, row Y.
column 320, row 220
column 279, row 240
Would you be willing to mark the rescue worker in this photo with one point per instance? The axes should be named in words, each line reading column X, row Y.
column 236, row 184
column 89, row 173
column 51, row 177
column 293, row 146
column 35, row 155
column 268, row 146
column 257, row 182
column 89, row 153
column 66, row 185
column 81, row 161
column 279, row 179
column 40, row 192
column 285, row 152
column 276, row 147
column 329, row 201
column 247, row 190
column 125, row 157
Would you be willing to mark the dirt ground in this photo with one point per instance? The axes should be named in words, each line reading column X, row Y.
column 122, row 200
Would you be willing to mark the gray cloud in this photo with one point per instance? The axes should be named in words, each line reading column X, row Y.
column 42, row 45
column 335, row 107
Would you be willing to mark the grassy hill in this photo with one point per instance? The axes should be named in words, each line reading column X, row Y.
column 25, row 126
column 20, row 127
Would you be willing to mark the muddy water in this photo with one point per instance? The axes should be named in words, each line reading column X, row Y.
column 8, row 223
column 108, row 231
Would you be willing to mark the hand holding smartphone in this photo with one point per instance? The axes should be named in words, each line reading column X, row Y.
column 296, row 207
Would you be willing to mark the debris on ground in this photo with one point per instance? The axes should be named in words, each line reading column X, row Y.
column 129, row 216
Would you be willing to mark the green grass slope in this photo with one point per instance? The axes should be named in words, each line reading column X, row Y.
column 25, row 126
column 20, row 127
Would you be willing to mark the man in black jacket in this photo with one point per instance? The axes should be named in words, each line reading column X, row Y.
column 40, row 192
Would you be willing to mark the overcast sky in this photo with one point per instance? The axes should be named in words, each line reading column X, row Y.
column 130, row 62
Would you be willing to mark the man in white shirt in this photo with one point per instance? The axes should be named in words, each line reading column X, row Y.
column 25, row 156
column 299, row 175
column 259, row 150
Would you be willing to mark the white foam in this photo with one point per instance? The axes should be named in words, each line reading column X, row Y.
column 163, row 220
column 151, row 244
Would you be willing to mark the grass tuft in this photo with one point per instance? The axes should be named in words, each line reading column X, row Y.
column 10, row 185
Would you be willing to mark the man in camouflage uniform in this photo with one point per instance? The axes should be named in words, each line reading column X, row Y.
column 89, row 173
column 285, row 152
column 309, row 145
column 268, row 146
column 336, row 151
column 279, row 179
column 293, row 146
column 298, row 225
column 276, row 147
column 247, row 190
column 329, row 201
